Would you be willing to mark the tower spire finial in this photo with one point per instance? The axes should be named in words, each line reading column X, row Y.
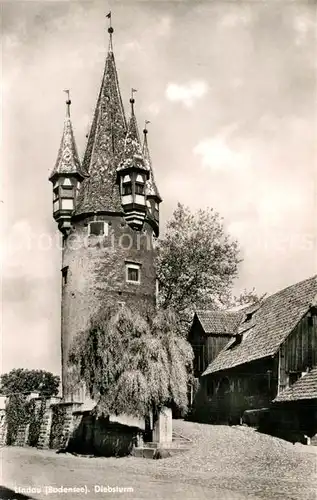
column 110, row 31
column 145, row 130
column 68, row 102
column 132, row 101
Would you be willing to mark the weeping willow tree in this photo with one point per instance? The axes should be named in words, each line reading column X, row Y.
column 132, row 365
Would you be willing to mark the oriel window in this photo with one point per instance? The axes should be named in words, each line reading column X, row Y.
column 139, row 188
column 127, row 188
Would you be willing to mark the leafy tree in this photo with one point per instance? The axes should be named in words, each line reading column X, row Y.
column 132, row 365
column 197, row 262
column 24, row 381
column 246, row 297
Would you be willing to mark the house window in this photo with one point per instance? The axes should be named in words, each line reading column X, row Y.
column 133, row 273
column 64, row 275
column 97, row 228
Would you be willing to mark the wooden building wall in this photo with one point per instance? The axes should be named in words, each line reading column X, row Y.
column 298, row 352
column 215, row 344
column 205, row 346
column 231, row 392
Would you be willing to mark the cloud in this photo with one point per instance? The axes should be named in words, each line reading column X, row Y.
column 216, row 154
column 124, row 51
column 164, row 26
column 26, row 253
column 242, row 17
column 154, row 108
column 187, row 93
column 303, row 26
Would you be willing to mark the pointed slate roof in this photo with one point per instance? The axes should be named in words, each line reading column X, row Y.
column 270, row 325
column 151, row 186
column 132, row 152
column 67, row 159
column 99, row 191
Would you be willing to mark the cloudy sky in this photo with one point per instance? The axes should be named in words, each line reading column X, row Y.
column 230, row 90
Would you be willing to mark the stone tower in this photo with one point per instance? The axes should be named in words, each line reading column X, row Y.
column 107, row 209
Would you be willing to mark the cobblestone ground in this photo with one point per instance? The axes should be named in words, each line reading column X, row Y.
column 235, row 463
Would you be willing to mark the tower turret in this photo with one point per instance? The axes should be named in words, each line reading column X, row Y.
column 133, row 173
column 108, row 255
column 153, row 198
column 66, row 176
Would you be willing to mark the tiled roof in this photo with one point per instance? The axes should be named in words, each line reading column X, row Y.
column 100, row 192
column 304, row 388
column 271, row 324
column 216, row 322
column 67, row 159
column 132, row 152
column 151, row 187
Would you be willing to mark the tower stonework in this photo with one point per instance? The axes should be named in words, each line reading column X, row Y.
column 110, row 218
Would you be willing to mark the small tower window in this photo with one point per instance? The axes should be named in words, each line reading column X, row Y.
column 64, row 275
column 97, row 228
column 67, row 204
column 67, row 192
column 127, row 188
column 139, row 188
column 133, row 273
column 67, row 182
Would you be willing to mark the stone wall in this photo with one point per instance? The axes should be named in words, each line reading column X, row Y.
column 52, row 423
column 3, row 427
column 102, row 437
column 96, row 276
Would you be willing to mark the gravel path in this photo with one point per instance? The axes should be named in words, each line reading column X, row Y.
column 235, row 463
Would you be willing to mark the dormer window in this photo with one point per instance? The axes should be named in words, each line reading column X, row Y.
column 248, row 317
column 97, row 228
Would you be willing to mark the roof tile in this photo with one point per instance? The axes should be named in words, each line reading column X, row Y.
column 100, row 192
column 271, row 324
column 217, row 322
column 304, row 388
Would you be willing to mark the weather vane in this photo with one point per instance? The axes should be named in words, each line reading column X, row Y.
column 109, row 17
column 145, row 126
column 68, row 102
column 110, row 30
